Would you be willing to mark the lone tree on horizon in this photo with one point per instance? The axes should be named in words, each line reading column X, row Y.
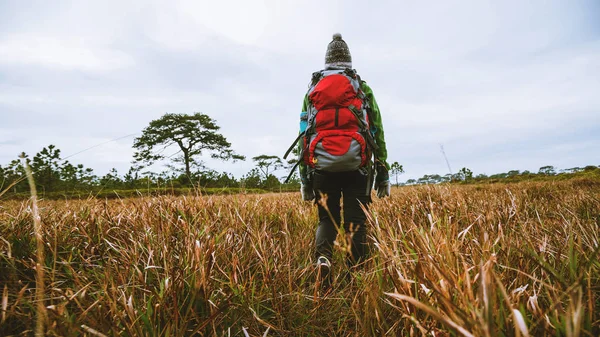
column 193, row 135
column 396, row 170
column 265, row 163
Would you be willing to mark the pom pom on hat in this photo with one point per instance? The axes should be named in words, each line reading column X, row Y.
column 337, row 36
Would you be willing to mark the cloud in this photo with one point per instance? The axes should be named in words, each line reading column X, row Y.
column 70, row 54
column 507, row 85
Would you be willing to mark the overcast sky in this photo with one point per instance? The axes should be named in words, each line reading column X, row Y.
column 501, row 84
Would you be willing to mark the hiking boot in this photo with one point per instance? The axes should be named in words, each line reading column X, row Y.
column 324, row 272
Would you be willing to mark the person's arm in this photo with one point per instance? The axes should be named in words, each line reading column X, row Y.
column 376, row 127
column 306, row 187
column 303, row 125
column 382, row 178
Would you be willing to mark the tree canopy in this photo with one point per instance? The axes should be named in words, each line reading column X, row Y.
column 396, row 169
column 193, row 135
column 266, row 163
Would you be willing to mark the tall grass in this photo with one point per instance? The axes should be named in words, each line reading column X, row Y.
column 499, row 260
column 39, row 262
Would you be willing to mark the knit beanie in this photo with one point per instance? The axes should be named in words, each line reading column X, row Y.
column 338, row 54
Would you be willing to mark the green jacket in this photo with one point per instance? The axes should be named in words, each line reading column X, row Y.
column 377, row 128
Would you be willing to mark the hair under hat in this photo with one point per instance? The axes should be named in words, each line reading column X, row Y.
column 338, row 54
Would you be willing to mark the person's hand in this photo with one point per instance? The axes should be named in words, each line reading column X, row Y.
column 384, row 189
column 307, row 191
column 382, row 180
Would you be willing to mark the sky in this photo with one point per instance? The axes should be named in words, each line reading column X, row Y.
column 502, row 85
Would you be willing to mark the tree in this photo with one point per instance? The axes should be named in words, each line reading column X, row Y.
column 271, row 182
column 499, row 176
column 111, row 179
column 513, row 173
column 251, row 179
column 294, row 178
column 131, row 177
column 265, row 162
column 193, row 135
column 13, row 177
column 465, row 174
column 424, row 179
column 86, row 175
column 3, row 179
column 396, row 170
column 69, row 175
column 46, row 168
column 76, row 176
column 547, row 170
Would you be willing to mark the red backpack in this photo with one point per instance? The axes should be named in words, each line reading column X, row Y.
column 337, row 137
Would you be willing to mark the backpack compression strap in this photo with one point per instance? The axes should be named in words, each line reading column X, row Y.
column 363, row 126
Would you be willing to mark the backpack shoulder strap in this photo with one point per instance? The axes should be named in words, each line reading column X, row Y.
column 362, row 96
column 350, row 72
column 316, row 77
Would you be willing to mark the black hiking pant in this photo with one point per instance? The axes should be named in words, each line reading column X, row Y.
column 352, row 186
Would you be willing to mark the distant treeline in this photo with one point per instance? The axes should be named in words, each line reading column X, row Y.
column 53, row 174
column 466, row 176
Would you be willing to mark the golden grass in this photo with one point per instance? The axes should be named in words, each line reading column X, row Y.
column 39, row 269
column 495, row 260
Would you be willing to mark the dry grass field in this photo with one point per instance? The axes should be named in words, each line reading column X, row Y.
column 446, row 260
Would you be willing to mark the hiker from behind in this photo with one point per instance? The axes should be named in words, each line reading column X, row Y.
column 342, row 150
